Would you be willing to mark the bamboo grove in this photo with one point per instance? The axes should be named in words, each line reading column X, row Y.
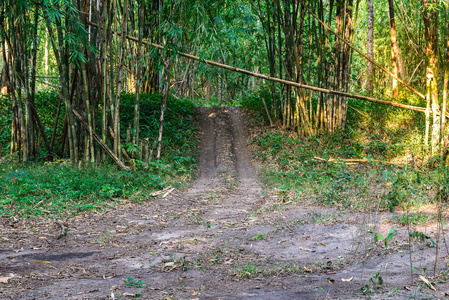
column 97, row 49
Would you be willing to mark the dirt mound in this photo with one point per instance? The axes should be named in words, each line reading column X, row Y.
column 223, row 238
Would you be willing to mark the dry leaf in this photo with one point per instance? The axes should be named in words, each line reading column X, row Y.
column 169, row 264
column 195, row 293
column 347, row 280
column 427, row 282
column 6, row 278
column 308, row 270
column 321, row 244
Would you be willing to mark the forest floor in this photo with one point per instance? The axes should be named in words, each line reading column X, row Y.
column 225, row 237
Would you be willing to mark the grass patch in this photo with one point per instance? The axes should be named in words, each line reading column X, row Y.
column 45, row 190
column 302, row 166
column 412, row 218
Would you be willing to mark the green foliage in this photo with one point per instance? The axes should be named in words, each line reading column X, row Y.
column 179, row 135
column 375, row 284
column 411, row 218
column 55, row 188
column 401, row 188
column 5, row 124
column 253, row 102
column 248, row 270
column 131, row 282
column 379, row 237
column 421, row 237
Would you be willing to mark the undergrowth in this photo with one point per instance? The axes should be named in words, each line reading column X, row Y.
column 303, row 166
column 319, row 167
column 54, row 188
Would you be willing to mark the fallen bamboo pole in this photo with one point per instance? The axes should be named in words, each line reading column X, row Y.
column 368, row 58
column 97, row 137
column 291, row 83
column 100, row 141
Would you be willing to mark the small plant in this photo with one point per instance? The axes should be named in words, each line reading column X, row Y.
column 379, row 237
column 412, row 218
column 104, row 238
column 131, row 282
column 199, row 220
column 421, row 237
column 401, row 188
column 248, row 270
column 259, row 237
column 319, row 218
column 375, row 283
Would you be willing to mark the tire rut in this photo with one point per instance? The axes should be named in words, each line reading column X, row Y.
column 225, row 162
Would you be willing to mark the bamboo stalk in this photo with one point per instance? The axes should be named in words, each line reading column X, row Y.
column 99, row 140
column 366, row 57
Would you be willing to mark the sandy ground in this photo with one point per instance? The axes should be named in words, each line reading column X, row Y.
column 223, row 238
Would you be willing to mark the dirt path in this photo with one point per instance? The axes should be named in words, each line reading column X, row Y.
column 224, row 238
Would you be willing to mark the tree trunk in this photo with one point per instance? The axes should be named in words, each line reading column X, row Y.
column 430, row 17
column 370, row 48
column 138, row 76
column 165, row 93
column 119, row 82
column 394, row 48
column 444, row 138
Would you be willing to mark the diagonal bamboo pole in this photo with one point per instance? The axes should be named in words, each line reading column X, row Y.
column 99, row 140
column 291, row 83
column 96, row 137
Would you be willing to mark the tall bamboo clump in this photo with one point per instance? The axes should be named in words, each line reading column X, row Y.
column 289, row 51
column 91, row 63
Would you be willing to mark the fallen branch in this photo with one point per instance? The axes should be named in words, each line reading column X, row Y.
column 360, row 112
column 100, row 141
column 164, row 191
column 124, row 152
column 352, row 160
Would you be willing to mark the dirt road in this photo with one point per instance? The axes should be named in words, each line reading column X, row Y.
column 223, row 238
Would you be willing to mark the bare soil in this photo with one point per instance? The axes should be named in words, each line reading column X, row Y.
column 226, row 237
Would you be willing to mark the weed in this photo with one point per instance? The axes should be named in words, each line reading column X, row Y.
column 248, row 270
column 104, row 238
column 401, row 190
column 422, row 237
column 131, row 282
column 375, row 283
column 412, row 218
column 319, row 218
column 200, row 220
column 379, row 237
column 259, row 237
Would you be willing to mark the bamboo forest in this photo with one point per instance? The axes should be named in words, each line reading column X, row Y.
column 224, row 149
